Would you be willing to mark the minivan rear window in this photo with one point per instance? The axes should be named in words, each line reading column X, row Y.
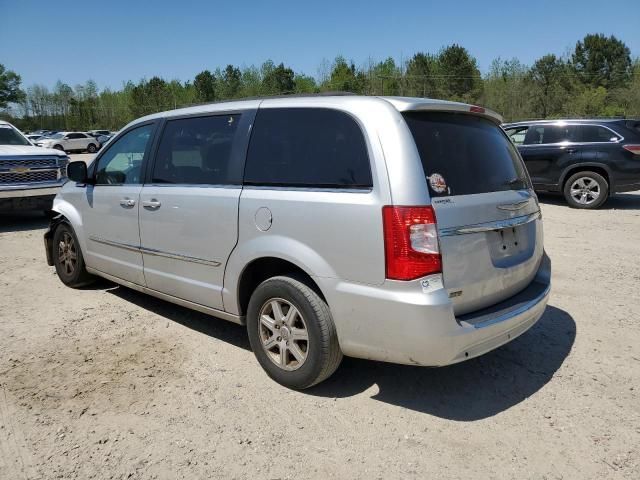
column 465, row 154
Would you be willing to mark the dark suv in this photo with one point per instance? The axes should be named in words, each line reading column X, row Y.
column 586, row 160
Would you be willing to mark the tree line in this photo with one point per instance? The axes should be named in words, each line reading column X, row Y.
column 598, row 78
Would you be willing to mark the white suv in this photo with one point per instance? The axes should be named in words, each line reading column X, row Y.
column 70, row 142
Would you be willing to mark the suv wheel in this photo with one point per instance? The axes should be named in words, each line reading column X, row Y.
column 586, row 190
column 68, row 259
column 292, row 333
column 91, row 148
column 58, row 147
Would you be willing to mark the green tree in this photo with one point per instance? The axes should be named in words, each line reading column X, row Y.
column 230, row 82
column 205, row 86
column 550, row 80
column 461, row 79
column 305, row 84
column 279, row 79
column 422, row 75
column 9, row 87
column 601, row 61
column 506, row 89
column 344, row 77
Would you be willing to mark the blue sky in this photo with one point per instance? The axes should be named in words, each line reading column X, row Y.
column 114, row 41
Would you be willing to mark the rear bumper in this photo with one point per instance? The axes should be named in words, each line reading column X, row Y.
column 406, row 325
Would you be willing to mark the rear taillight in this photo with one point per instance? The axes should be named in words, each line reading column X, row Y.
column 635, row 149
column 476, row 109
column 410, row 242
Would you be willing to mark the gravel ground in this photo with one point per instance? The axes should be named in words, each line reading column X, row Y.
column 108, row 383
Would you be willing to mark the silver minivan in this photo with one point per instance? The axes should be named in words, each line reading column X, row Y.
column 403, row 230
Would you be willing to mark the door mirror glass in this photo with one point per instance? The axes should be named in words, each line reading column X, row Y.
column 77, row 171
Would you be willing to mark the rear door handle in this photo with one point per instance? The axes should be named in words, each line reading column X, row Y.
column 572, row 150
column 127, row 202
column 152, row 204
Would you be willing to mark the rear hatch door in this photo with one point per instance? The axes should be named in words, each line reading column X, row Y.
column 488, row 216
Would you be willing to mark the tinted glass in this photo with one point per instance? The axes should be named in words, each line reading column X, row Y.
column 196, row 151
column 122, row 162
column 471, row 154
column 595, row 133
column 307, row 147
column 545, row 134
column 10, row 136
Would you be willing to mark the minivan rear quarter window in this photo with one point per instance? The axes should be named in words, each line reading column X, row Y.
column 307, row 147
column 471, row 153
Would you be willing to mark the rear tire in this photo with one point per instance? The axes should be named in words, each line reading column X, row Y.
column 292, row 333
column 586, row 190
column 91, row 148
column 68, row 259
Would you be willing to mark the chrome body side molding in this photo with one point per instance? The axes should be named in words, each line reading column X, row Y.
column 158, row 253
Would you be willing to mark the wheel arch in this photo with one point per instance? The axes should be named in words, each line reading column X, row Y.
column 263, row 268
column 598, row 168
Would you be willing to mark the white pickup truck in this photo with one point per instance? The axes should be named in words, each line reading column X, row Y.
column 30, row 176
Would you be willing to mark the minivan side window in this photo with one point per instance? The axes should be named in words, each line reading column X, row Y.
column 549, row 134
column 196, row 151
column 596, row 133
column 307, row 147
column 122, row 162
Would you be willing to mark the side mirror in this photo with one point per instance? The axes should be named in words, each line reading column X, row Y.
column 77, row 171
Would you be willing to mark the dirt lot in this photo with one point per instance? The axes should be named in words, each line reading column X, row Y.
column 108, row 383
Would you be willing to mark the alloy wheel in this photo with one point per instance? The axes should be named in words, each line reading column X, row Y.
column 67, row 254
column 585, row 190
column 283, row 334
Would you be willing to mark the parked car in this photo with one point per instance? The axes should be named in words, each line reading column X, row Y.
column 30, row 176
column 585, row 160
column 396, row 229
column 70, row 142
column 42, row 133
column 33, row 138
column 102, row 139
column 98, row 133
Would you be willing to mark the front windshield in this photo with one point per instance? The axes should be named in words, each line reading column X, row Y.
column 56, row 136
column 10, row 136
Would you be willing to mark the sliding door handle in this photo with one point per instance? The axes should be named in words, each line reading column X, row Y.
column 152, row 204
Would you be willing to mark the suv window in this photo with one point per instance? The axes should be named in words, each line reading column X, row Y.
column 10, row 136
column 548, row 134
column 465, row 154
column 122, row 162
column 307, row 147
column 596, row 133
column 517, row 134
column 196, row 151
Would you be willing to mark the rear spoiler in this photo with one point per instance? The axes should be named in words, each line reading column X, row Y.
column 405, row 104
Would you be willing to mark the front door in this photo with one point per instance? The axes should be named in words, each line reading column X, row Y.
column 112, row 203
column 189, row 208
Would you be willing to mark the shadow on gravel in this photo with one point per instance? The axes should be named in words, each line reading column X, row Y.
column 23, row 222
column 223, row 330
column 469, row 391
column 619, row 201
